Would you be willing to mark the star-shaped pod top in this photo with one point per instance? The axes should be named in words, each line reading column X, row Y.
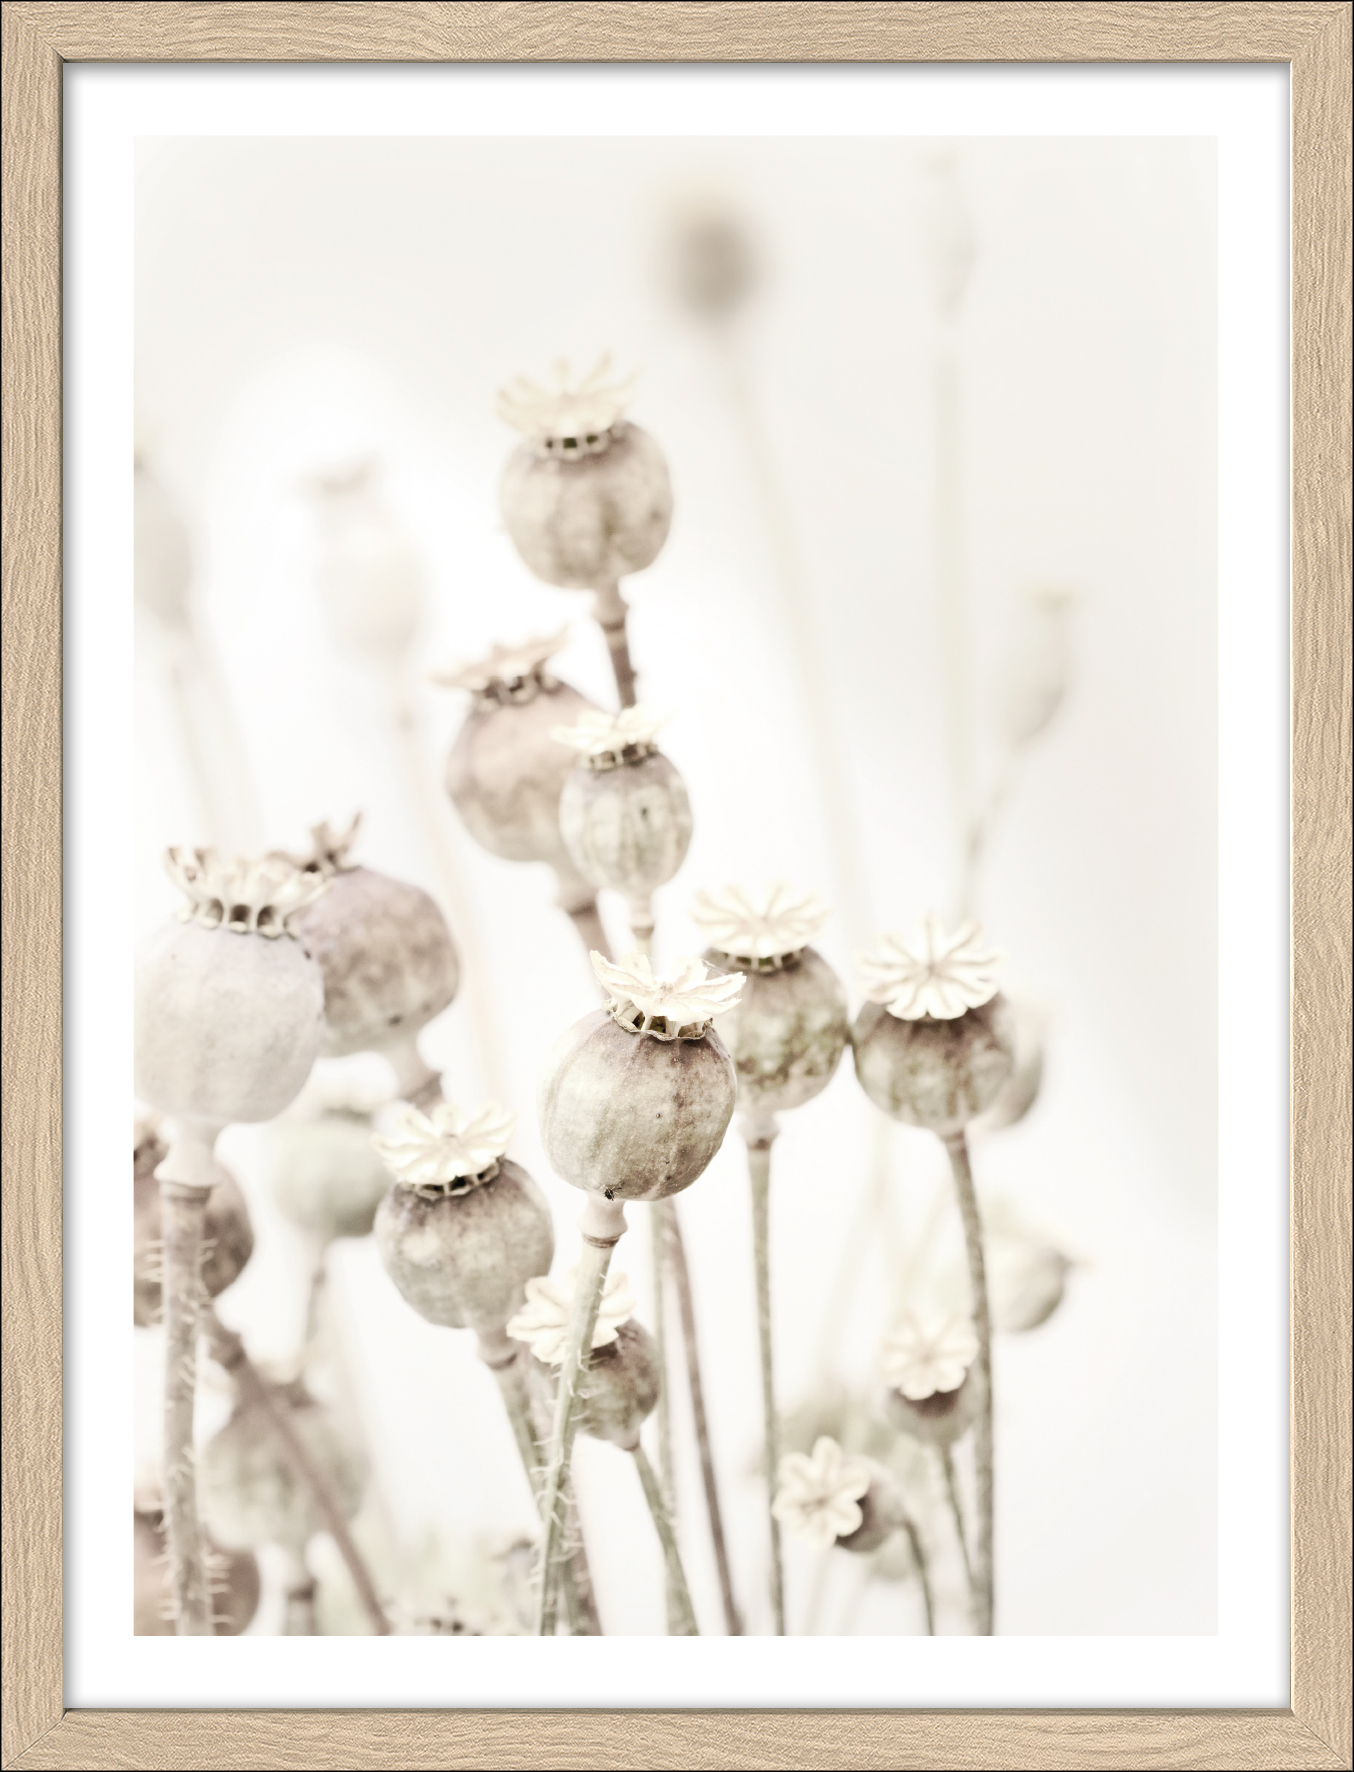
column 507, row 667
column 679, row 1007
column 572, row 418
column 448, row 1150
column 770, row 924
column 248, row 897
column 928, row 1353
column 818, row 1495
column 934, row 973
column 605, row 741
column 543, row 1321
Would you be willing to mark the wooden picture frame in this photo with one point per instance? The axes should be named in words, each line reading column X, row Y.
column 1313, row 37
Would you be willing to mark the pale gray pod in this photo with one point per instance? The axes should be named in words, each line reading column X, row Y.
column 505, row 775
column 939, row 1419
column 227, row 1024
column 325, row 1176
column 937, row 1074
column 787, row 1032
column 629, row 1116
column 582, row 518
column 463, row 1260
column 249, row 1492
column 627, row 827
column 617, row 1388
column 387, row 957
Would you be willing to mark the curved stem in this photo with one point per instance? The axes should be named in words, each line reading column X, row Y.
column 592, row 1269
column 587, row 921
column 956, row 1508
column 183, row 1210
column 923, row 1574
column 982, row 1432
column 228, row 1350
column 759, row 1176
column 681, row 1275
column 415, row 1080
column 681, row 1610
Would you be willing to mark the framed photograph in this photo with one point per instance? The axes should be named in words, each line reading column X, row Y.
column 693, row 662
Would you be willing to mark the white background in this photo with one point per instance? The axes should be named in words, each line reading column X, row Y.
column 300, row 300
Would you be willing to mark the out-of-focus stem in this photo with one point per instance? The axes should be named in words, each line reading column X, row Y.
column 641, row 925
column 681, row 1277
column 592, row 1269
column 298, row 1598
column 315, row 1292
column 588, row 923
column 923, row 1574
column 464, row 922
column 609, row 607
column 681, row 1611
column 663, row 1407
column 415, row 1080
column 950, row 570
column 183, row 1210
column 858, row 1241
column 228, row 1350
column 759, row 1140
column 956, row 1508
column 982, row 1431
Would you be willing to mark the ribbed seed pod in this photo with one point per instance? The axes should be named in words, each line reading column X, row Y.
column 937, row 1074
column 788, row 1032
column 325, row 1176
column 617, row 1388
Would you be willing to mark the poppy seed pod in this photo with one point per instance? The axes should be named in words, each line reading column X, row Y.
column 617, row 1388
column 624, row 812
column 383, row 947
column 585, row 496
column 228, row 1003
column 507, row 770
column 248, row 1489
column 790, row 1026
column 939, row 1419
column 325, row 1176
column 463, row 1228
column 935, row 1044
column 882, row 1511
column 233, row 1578
column 227, row 1235
column 635, row 1099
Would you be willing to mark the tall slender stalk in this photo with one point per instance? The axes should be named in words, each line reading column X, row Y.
column 228, row 1350
column 298, row 1614
column 592, row 1269
column 682, row 1616
column 183, row 1212
column 587, row 921
column 681, row 1276
column 923, row 1574
column 956, row 1508
column 957, row 1146
column 663, row 1407
column 610, row 611
column 759, row 1140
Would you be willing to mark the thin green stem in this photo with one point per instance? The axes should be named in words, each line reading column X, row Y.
column 592, row 1269
column 956, row 1507
column 183, row 1210
column 681, row 1277
column 759, row 1176
column 983, row 1604
column 684, row 1615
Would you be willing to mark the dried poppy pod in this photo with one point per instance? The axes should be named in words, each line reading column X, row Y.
column 926, row 1363
column 624, row 812
column 387, row 957
column 790, row 1027
column 830, row 1499
column 507, row 770
column 251, row 1493
column 232, row 1576
column 618, row 1386
column 935, row 1044
column 635, row 1099
column 463, row 1228
column 324, row 1175
column 227, row 1234
column 585, row 496
column 229, row 1005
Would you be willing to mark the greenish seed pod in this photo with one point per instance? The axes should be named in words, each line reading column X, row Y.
column 936, row 1074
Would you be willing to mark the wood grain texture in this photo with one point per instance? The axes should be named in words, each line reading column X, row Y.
column 1315, row 38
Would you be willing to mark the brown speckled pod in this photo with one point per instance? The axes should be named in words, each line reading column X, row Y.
column 584, row 512
column 787, row 1032
column 233, row 1575
column 325, row 1176
column 882, row 1507
column 939, row 1419
column 629, row 1116
column 387, row 958
column 617, row 1388
column 627, row 827
column 505, row 775
column 227, row 1235
column 937, row 1074
column 247, row 1490
column 462, row 1260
